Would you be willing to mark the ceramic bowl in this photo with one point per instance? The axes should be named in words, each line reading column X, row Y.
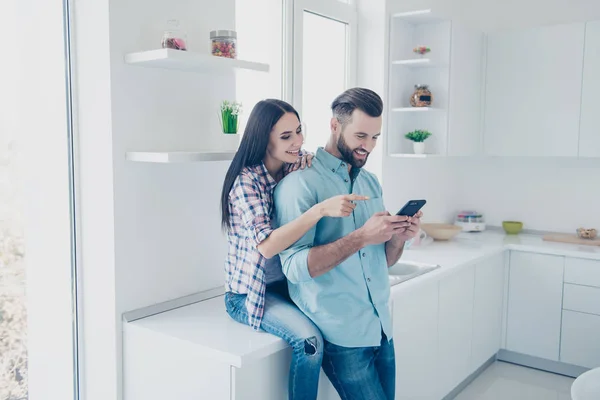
column 512, row 227
column 441, row 231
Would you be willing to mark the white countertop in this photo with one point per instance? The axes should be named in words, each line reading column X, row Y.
column 206, row 325
column 468, row 248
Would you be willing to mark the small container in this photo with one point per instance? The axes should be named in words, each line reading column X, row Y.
column 422, row 96
column 173, row 38
column 223, row 43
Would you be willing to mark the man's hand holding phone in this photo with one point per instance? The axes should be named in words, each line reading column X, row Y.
column 412, row 229
column 382, row 226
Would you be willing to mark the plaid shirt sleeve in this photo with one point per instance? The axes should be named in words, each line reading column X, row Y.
column 253, row 207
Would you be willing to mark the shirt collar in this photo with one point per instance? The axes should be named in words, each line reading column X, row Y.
column 333, row 164
column 262, row 171
column 330, row 161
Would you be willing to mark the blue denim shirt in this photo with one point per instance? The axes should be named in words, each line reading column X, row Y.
column 350, row 303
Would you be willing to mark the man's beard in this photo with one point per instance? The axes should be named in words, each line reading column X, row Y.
column 348, row 154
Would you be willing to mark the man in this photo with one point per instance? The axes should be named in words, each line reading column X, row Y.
column 337, row 273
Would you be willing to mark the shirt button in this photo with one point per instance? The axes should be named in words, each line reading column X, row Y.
column 332, row 169
column 345, row 180
column 364, row 254
column 368, row 279
column 343, row 165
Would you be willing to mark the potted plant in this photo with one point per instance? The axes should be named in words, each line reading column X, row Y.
column 230, row 110
column 418, row 138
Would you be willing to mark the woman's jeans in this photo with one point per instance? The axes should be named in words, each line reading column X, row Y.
column 282, row 318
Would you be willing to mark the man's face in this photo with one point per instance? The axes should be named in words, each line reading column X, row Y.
column 358, row 138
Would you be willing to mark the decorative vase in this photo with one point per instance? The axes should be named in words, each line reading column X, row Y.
column 422, row 96
column 229, row 124
column 229, row 116
column 419, row 147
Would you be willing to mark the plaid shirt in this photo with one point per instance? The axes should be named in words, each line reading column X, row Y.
column 250, row 207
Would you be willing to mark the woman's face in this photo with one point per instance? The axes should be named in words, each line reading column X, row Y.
column 286, row 139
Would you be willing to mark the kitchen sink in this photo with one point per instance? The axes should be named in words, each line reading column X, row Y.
column 405, row 270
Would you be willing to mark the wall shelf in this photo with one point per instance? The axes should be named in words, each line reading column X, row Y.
column 411, row 155
column 166, row 157
column 418, row 16
column 189, row 61
column 414, row 109
column 418, row 63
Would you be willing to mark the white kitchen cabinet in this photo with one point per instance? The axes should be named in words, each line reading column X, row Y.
column 465, row 104
column 267, row 379
column 533, row 91
column 535, row 304
column 582, row 272
column 487, row 310
column 415, row 316
column 589, row 133
column 580, row 341
column 455, row 329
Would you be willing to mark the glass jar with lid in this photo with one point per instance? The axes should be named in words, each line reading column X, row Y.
column 421, row 97
column 173, row 37
column 223, row 43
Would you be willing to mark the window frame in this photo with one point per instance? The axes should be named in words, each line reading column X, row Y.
column 293, row 52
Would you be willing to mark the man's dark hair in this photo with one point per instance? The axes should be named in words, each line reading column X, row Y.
column 365, row 100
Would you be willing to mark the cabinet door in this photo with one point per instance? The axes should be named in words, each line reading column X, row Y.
column 535, row 304
column 579, row 342
column 589, row 134
column 465, row 105
column 533, row 91
column 455, row 328
column 415, row 316
column 487, row 310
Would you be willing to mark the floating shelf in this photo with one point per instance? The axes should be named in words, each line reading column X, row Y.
column 411, row 155
column 189, row 61
column 417, row 16
column 418, row 63
column 414, row 109
column 178, row 156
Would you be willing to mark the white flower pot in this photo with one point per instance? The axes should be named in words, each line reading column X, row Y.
column 419, row 147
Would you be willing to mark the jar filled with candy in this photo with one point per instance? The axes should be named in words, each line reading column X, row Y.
column 223, row 43
column 173, row 38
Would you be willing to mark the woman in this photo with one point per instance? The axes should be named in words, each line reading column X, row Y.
column 257, row 293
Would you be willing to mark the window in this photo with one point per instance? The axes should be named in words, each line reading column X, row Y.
column 38, row 318
column 322, row 62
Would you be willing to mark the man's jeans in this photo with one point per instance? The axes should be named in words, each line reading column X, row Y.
column 362, row 373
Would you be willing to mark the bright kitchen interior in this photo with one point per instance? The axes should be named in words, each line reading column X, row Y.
column 490, row 115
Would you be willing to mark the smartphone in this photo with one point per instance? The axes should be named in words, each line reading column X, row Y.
column 411, row 208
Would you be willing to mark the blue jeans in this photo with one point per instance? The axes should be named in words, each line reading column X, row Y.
column 362, row 373
column 282, row 318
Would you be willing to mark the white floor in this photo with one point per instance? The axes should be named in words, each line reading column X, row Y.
column 503, row 381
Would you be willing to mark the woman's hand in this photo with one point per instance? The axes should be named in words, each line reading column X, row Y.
column 340, row 206
column 303, row 161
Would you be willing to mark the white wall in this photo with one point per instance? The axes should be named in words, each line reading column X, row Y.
column 151, row 232
column 545, row 194
column 548, row 195
column 372, row 64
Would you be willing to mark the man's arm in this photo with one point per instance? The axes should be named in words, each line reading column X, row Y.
column 395, row 246
column 322, row 259
column 394, row 249
column 302, row 262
